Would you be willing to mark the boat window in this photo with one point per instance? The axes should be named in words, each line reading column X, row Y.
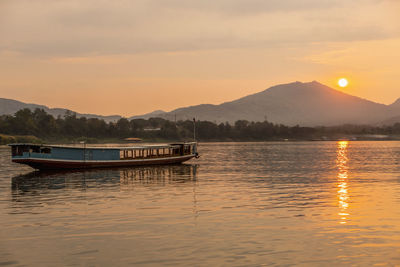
column 187, row 149
column 19, row 150
column 14, row 151
column 46, row 150
column 129, row 154
column 121, row 154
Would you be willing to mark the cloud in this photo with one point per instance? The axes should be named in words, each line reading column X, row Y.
column 246, row 7
column 48, row 28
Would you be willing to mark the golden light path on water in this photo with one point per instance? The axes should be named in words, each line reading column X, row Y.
column 342, row 178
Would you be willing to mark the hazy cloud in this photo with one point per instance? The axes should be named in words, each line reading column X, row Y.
column 75, row 28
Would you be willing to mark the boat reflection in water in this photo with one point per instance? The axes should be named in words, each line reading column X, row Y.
column 39, row 183
column 342, row 178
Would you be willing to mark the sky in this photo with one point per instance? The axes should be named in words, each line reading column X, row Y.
column 130, row 57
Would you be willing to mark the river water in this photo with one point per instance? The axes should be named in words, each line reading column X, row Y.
column 240, row 204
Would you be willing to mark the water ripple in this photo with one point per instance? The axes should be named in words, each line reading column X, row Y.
column 252, row 204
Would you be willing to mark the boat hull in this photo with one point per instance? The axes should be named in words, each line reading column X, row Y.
column 55, row 164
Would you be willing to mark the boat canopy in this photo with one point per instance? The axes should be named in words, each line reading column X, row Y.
column 102, row 147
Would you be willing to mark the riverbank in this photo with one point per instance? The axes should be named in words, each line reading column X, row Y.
column 8, row 139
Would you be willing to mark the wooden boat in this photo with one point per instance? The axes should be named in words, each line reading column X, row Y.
column 50, row 157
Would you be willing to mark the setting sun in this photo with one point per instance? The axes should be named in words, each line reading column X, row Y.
column 343, row 82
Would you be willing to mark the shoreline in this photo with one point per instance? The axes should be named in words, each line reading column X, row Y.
column 227, row 141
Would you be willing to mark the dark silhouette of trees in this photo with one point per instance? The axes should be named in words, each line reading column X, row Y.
column 44, row 126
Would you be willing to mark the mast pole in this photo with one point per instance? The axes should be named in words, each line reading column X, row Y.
column 194, row 129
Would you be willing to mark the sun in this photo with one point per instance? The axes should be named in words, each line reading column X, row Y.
column 343, row 82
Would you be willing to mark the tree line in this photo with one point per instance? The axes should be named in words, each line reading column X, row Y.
column 44, row 126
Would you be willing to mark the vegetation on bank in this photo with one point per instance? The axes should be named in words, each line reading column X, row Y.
column 38, row 126
column 9, row 139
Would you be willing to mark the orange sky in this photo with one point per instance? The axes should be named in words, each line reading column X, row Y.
column 133, row 57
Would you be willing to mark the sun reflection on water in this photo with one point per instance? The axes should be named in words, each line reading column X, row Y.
column 342, row 177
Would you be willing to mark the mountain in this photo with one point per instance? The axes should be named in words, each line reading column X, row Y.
column 395, row 110
column 395, row 107
column 156, row 113
column 306, row 104
column 9, row 107
column 390, row 121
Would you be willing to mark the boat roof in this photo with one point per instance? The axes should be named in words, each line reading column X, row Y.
column 105, row 146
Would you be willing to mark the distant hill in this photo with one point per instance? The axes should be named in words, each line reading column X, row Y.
column 156, row 113
column 390, row 121
column 307, row 104
column 9, row 107
column 395, row 107
column 395, row 111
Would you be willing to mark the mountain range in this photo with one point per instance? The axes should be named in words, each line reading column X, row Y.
column 306, row 104
column 10, row 106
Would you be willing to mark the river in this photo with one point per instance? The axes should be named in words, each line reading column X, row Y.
column 239, row 204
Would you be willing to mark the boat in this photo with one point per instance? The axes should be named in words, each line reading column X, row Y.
column 54, row 157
